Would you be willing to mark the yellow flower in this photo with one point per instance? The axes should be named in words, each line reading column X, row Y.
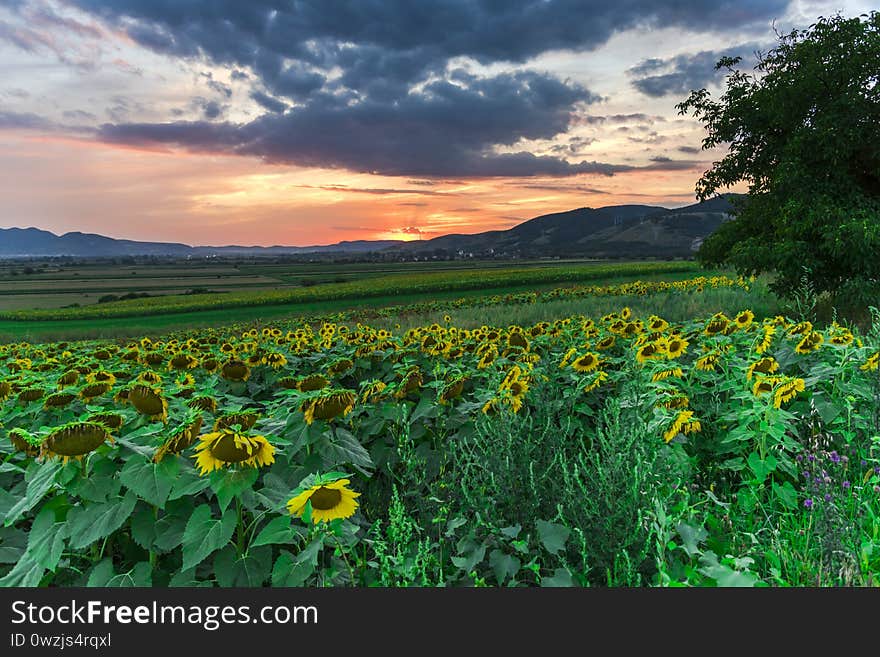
column 598, row 379
column 328, row 405
column 744, row 319
column 766, row 340
column 675, row 347
column 586, row 363
column 605, row 343
column 181, row 439
column 872, row 363
column 786, row 391
column 683, row 418
column 666, row 372
column 708, row 362
column 648, row 351
column 766, row 365
column 329, row 501
column 220, row 449
column 235, row 370
column 810, row 342
column 373, row 392
column 149, row 401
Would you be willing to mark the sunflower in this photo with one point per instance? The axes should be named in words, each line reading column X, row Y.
column 328, row 405
column 518, row 390
column 275, row 360
column 149, row 377
column 69, row 378
column 764, row 384
column 411, row 383
column 598, row 379
column 744, row 319
column 708, row 362
column 491, row 407
column 586, row 363
column 75, row 440
column 766, row 340
column 94, row 390
column 665, row 373
column 512, row 375
column 767, row 365
column 657, row 323
column 203, row 403
column 182, row 437
column 870, row 365
column 801, row 328
column 626, row 313
column 245, row 419
column 715, row 326
column 605, row 343
column 683, row 422
column 210, row 365
column 372, row 392
column 810, row 342
column 787, row 390
column 340, row 366
column 452, row 390
column 5, row 390
column 675, row 347
column 29, row 395
column 235, row 370
column 149, row 401
column 842, row 339
column 59, row 400
column 220, row 449
column 648, row 351
column 313, row 382
column 328, row 501
column 24, row 441
column 109, row 420
column 518, row 340
column 182, row 361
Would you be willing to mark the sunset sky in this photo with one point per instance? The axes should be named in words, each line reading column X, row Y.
column 299, row 122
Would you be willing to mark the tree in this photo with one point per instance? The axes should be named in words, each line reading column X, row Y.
column 804, row 133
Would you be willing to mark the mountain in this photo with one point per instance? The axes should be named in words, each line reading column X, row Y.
column 612, row 231
column 616, row 231
column 32, row 242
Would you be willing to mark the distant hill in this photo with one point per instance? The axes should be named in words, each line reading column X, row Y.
column 612, row 231
column 32, row 242
column 616, row 231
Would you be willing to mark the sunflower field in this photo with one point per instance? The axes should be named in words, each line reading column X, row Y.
column 585, row 451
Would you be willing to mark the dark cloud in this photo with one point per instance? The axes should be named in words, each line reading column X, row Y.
column 79, row 115
column 443, row 130
column 267, row 102
column 682, row 73
column 372, row 190
column 562, row 187
column 24, row 121
column 662, row 163
column 691, row 150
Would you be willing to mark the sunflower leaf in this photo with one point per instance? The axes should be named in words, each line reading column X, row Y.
column 249, row 570
column 552, row 535
column 150, row 481
column 26, row 573
column 204, row 534
column 40, row 478
column 229, row 484
column 279, row 531
column 97, row 521
column 46, row 538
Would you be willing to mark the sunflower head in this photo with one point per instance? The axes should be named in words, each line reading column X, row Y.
column 323, row 498
column 311, row 383
column 29, row 395
column 452, row 390
column 149, row 401
column 328, row 405
column 112, row 421
column 182, row 437
column 586, row 363
column 244, row 419
column 24, row 441
column 235, row 370
column 59, row 400
column 221, row 449
column 94, row 390
column 75, row 440
column 203, row 403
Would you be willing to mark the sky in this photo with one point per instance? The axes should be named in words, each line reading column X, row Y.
column 303, row 122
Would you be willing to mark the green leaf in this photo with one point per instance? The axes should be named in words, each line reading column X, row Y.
column 559, row 579
column 101, row 574
column 40, row 478
column 204, row 535
column 97, row 521
column 46, row 539
column 13, row 543
column 691, row 537
column 786, row 494
column 229, row 484
column 143, row 528
column 552, row 535
column 171, row 526
column 287, row 571
column 471, row 556
column 26, row 573
column 512, row 531
column 504, row 565
column 150, row 481
column 249, row 570
column 341, row 447
column 761, row 468
column 279, row 530
column 187, row 483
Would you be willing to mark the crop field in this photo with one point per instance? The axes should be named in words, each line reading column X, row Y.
column 567, row 436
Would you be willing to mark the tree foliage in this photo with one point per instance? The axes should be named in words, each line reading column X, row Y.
column 803, row 131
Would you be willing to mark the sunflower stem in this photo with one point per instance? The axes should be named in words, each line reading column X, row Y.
column 153, row 555
column 240, row 531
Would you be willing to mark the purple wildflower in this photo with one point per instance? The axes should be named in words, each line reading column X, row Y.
column 808, row 503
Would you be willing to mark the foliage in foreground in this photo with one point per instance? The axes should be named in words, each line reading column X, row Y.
column 585, row 451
